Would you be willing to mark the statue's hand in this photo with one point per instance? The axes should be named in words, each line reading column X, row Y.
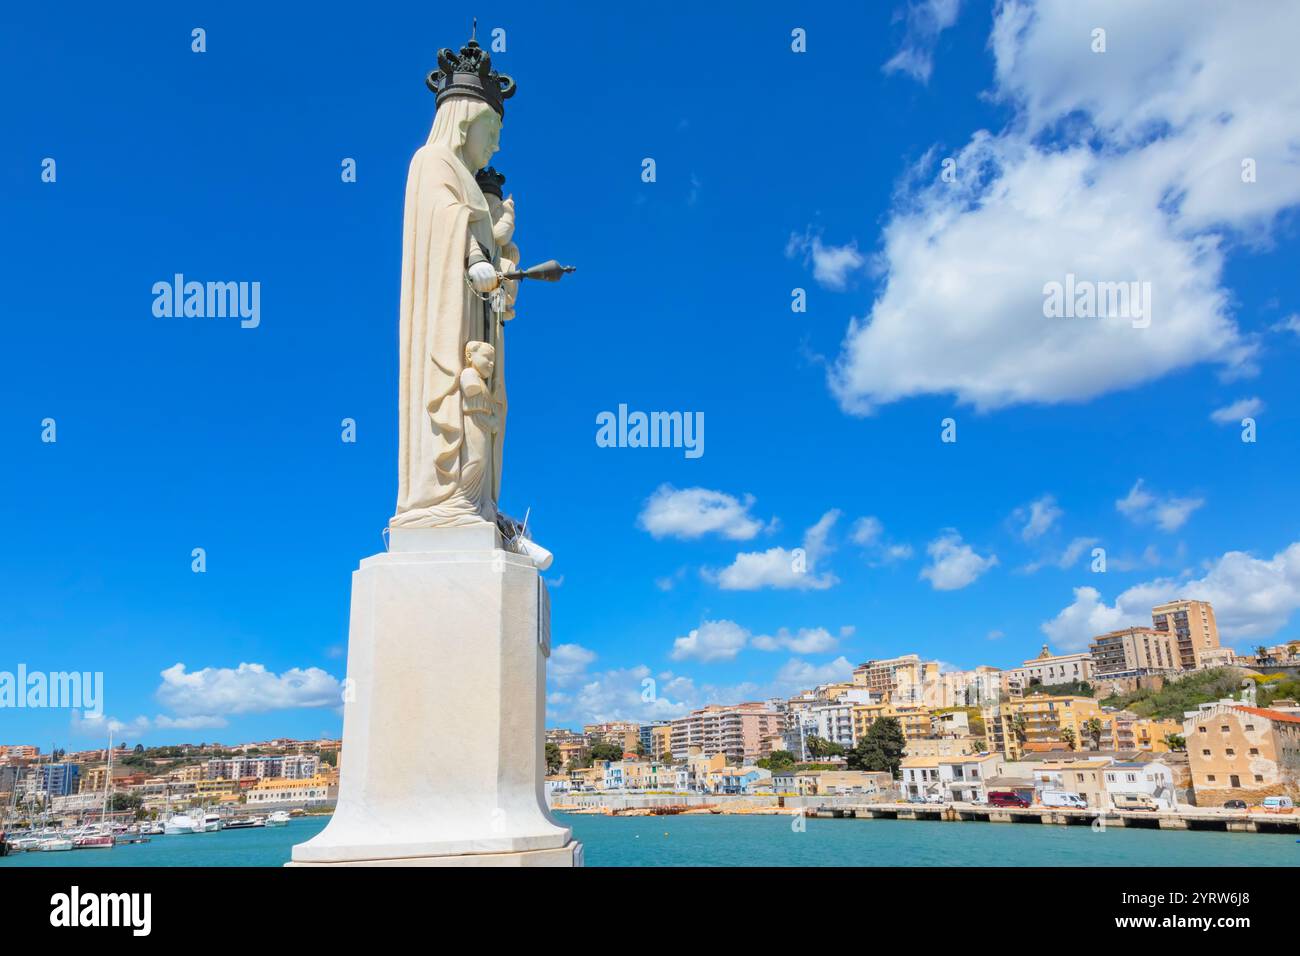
column 483, row 277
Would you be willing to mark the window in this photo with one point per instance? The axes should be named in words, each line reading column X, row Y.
column 1254, row 751
column 1231, row 752
column 1210, row 777
column 1259, row 778
column 1205, row 753
column 1250, row 728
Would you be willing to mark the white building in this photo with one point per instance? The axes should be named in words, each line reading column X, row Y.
column 961, row 779
column 1153, row 778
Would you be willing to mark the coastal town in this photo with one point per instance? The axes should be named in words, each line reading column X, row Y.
column 1160, row 724
column 1161, row 720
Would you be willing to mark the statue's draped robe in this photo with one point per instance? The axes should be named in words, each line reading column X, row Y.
column 439, row 314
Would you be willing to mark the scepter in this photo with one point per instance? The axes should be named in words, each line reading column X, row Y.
column 548, row 271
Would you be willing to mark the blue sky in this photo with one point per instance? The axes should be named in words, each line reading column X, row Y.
column 775, row 170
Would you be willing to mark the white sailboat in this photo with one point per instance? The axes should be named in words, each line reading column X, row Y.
column 279, row 818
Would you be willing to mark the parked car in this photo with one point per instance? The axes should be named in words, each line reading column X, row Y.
column 936, row 798
column 1007, row 798
column 1234, row 804
column 1278, row 804
column 1063, row 798
column 1133, row 801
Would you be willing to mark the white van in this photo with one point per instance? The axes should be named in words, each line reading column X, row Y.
column 1063, row 798
column 1278, row 804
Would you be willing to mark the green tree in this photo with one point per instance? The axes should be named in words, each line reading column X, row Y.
column 819, row 747
column 880, row 748
column 1093, row 728
column 601, row 750
column 554, row 759
column 1175, row 742
column 1020, row 727
column 1067, row 734
column 777, row 760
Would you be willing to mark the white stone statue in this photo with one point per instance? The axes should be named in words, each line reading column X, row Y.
column 450, row 260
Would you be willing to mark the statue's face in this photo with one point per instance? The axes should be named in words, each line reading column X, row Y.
column 481, row 139
column 484, row 360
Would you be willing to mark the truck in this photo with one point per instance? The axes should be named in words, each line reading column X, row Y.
column 1063, row 798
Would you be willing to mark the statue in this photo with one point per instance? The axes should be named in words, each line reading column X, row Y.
column 450, row 260
column 443, row 725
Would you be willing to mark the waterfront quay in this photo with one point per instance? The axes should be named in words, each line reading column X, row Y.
column 851, row 807
column 1186, row 819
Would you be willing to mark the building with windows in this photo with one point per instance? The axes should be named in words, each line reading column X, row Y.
column 1152, row 779
column 900, row 680
column 1242, row 753
column 1192, row 626
column 620, row 733
column 1134, row 652
column 742, row 732
column 1038, row 721
column 283, row 790
column 1048, row 669
column 1085, row 776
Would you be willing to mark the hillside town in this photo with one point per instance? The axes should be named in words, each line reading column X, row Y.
column 1160, row 718
column 1148, row 718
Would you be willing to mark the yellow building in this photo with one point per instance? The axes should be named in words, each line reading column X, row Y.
column 915, row 721
column 1085, row 776
column 272, row 790
column 1127, row 732
column 1038, row 719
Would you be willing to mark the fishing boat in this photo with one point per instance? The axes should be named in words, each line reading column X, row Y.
column 152, row 829
column 211, row 822
column 279, row 818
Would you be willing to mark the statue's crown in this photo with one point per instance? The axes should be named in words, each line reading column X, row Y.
column 490, row 181
column 470, row 73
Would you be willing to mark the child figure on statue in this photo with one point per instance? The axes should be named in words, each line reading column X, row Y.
column 483, row 419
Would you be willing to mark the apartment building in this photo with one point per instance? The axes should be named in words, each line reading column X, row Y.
column 972, row 688
column 743, row 732
column 279, row 790
column 915, row 721
column 1128, row 732
column 900, row 680
column 289, row 766
column 1191, row 624
column 1134, row 652
column 1242, row 753
column 1037, row 720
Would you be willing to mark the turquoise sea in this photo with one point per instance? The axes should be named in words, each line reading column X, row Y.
column 764, row 841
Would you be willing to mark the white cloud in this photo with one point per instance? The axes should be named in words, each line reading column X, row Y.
column 1252, row 598
column 694, row 512
column 1037, row 517
column 1067, row 558
column 1122, row 166
column 807, row 640
column 1233, row 414
column 832, row 265
column 797, row 675
column 246, row 689
column 568, row 662
column 869, row 534
column 1166, row 512
column 926, row 19
column 781, row 568
column 954, row 564
column 711, row 641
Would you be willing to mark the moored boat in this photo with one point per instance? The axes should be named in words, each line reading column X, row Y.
column 279, row 818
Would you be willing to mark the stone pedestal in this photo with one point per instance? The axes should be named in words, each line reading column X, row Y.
column 443, row 761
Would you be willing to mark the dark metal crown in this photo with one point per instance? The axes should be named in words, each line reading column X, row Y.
column 490, row 181
column 470, row 73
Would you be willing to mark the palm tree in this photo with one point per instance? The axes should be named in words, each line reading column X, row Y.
column 1092, row 727
column 1067, row 734
column 1020, row 727
column 1175, row 742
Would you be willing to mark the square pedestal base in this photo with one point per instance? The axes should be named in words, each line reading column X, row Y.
column 570, row 855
